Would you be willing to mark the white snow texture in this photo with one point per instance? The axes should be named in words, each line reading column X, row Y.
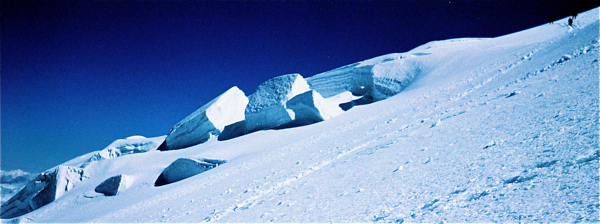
column 266, row 107
column 210, row 119
column 130, row 145
column 498, row 129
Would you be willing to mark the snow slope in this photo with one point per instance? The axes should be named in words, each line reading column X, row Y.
column 490, row 130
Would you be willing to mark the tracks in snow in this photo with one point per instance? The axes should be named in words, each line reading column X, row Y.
column 249, row 202
column 370, row 141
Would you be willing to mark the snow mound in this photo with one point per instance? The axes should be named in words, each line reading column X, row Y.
column 210, row 119
column 45, row 188
column 183, row 168
column 130, row 145
column 266, row 107
column 114, row 185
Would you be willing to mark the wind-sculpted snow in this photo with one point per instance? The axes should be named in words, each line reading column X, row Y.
column 209, row 120
column 45, row 188
column 184, row 168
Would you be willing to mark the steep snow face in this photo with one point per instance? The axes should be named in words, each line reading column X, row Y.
column 310, row 107
column 208, row 120
column 357, row 80
column 377, row 78
column 233, row 130
column 491, row 130
column 228, row 109
column 276, row 91
column 391, row 77
column 12, row 182
column 266, row 107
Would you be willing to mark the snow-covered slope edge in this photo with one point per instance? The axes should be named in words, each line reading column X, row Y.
column 53, row 183
column 501, row 129
column 289, row 100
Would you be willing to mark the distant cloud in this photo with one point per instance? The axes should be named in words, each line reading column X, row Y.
column 12, row 182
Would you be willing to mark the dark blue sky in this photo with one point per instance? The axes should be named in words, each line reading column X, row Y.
column 77, row 75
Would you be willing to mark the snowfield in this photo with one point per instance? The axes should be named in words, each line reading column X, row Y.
column 464, row 130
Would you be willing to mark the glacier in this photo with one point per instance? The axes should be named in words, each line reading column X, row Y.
column 500, row 129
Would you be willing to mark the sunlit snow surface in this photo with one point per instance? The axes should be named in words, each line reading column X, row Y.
column 492, row 130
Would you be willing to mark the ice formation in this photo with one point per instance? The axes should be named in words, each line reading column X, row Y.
column 185, row 167
column 266, row 107
column 114, row 185
column 130, row 145
column 374, row 79
column 310, row 107
column 391, row 77
column 210, row 119
column 45, row 188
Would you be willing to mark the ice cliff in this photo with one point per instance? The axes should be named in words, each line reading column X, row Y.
column 45, row 188
column 290, row 100
column 208, row 120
